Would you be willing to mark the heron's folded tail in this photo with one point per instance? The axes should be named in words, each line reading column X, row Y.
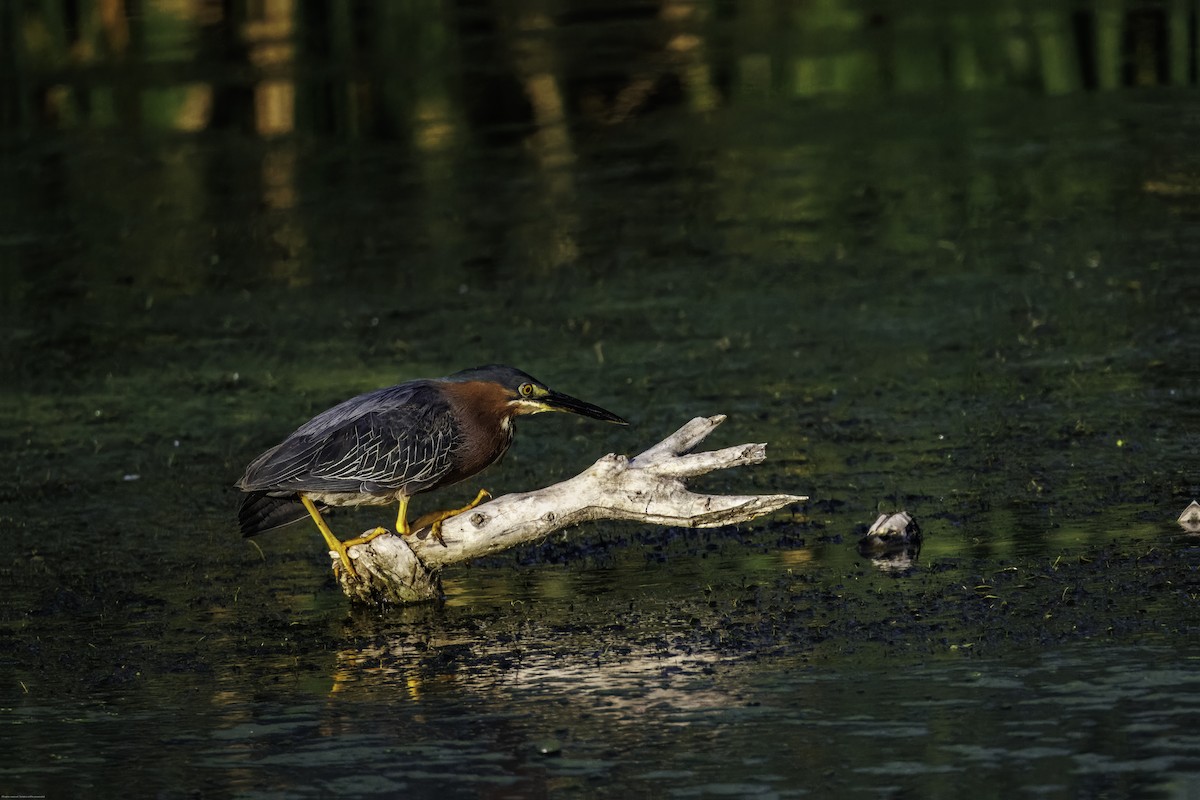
column 260, row 512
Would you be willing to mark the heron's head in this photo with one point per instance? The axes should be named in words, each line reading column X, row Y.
column 525, row 394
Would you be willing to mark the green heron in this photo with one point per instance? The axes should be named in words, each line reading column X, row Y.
column 387, row 445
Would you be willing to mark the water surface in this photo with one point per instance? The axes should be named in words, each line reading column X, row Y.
column 938, row 261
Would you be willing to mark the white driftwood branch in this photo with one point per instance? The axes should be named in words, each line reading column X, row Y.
column 647, row 488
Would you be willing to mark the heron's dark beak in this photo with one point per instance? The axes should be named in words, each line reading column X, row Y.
column 555, row 401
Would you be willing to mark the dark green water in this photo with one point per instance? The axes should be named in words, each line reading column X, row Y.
column 938, row 260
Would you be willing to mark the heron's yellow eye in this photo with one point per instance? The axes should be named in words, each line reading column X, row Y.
column 526, row 389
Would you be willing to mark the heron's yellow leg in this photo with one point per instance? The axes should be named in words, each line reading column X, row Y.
column 331, row 541
column 401, row 526
column 435, row 519
column 402, row 517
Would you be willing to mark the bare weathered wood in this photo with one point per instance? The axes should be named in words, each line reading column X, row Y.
column 647, row 488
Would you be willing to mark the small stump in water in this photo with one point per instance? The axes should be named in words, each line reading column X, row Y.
column 1190, row 518
column 893, row 541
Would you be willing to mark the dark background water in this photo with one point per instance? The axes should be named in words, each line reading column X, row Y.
column 938, row 257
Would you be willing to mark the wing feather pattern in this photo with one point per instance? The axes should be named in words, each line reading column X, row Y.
column 402, row 437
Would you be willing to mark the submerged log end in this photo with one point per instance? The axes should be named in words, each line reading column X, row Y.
column 388, row 573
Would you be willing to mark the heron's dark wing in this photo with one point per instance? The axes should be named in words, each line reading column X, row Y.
column 403, row 448
column 401, row 437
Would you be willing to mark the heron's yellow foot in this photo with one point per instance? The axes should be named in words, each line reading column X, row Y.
column 366, row 537
column 435, row 519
